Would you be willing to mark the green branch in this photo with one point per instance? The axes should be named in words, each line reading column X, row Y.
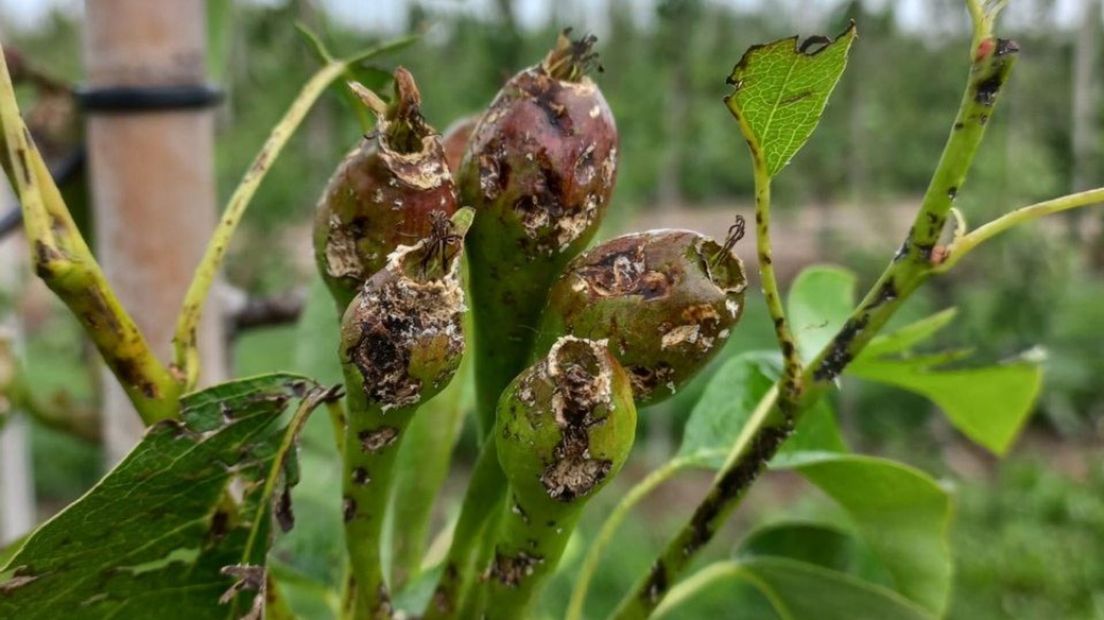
column 485, row 494
column 64, row 262
column 769, row 426
column 185, row 352
column 967, row 242
column 791, row 371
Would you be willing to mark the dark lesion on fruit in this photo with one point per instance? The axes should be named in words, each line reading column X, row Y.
column 383, row 361
column 582, row 390
column 376, row 439
column 415, row 302
column 624, row 271
column 573, row 473
column 511, row 570
column 646, row 379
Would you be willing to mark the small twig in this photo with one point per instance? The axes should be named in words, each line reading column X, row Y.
column 967, row 242
column 185, row 353
column 64, row 262
column 792, row 367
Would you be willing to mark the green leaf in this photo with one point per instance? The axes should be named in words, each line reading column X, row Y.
column 152, row 537
column 901, row 513
column 797, row 591
column 989, row 405
column 821, row 299
column 728, row 401
column 903, row 339
column 819, row 544
column 780, row 93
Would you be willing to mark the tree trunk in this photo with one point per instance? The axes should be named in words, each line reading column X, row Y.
column 153, row 185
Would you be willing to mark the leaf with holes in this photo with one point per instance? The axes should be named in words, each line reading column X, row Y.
column 160, row 536
column 781, row 89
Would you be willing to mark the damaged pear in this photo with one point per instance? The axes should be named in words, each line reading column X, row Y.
column 565, row 427
column 665, row 300
column 383, row 194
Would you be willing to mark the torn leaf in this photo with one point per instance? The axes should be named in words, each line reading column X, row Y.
column 780, row 90
column 152, row 538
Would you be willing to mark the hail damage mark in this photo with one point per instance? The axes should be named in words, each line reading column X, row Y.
column 581, row 373
column 376, row 439
column 886, row 292
column 361, row 476
column 987, row 90
column 283, row 511
column 734, row 483
column 398, row 315
column 511, row 570
column 656, row 584
column 17, row 582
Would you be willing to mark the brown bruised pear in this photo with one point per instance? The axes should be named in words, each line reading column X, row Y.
column 539, row 171
column 565, row 427
column 543, row 158
column 402, row 335
column 665, row 300
column 566, row 424
column 383, row 194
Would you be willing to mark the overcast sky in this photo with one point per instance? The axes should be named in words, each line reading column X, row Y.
column 389, row 15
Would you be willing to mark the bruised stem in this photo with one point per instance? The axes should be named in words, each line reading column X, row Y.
column 371, row 446
column 791, row 371
column 484, row 496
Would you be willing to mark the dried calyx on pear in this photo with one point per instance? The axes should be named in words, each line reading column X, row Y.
column 383, row 194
